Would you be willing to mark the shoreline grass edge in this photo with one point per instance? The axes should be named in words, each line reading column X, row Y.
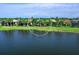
column 55, row 29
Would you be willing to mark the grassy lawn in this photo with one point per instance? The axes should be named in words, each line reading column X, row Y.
column 59, row 29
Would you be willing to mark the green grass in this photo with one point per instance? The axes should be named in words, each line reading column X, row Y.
column 57, row 29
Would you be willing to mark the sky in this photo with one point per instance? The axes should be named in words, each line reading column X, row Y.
column 39, row 9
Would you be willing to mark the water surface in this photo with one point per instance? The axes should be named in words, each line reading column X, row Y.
column 24, row 42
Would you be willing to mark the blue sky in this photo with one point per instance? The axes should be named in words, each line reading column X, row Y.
column 39, row 10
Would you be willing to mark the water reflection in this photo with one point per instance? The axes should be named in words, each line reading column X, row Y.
column 77, row 39
column 7, row 34
column 23, row 42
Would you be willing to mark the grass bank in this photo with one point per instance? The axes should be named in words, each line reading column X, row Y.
column 57, row 29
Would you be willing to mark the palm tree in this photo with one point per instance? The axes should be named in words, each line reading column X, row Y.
column 47, row 22
column 29, row 22
column 60, row 22
column 52, row 22
column 34, row 20
column 38, row 22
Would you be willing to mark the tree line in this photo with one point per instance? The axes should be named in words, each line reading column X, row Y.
column 57, row 22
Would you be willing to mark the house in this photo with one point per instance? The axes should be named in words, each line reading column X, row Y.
column 75, row 23
column 15, row 22
column 67, row 22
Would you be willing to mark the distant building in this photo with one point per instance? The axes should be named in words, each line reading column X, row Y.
column 67, row 22
column 15, row 21
column 75, row 23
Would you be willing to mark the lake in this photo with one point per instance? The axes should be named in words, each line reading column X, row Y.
column 26, row 43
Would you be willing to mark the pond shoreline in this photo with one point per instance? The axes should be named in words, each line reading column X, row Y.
column 49, row 29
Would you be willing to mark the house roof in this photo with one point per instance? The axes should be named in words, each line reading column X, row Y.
column 53, row 20
column 74, row 21
column 15, row 20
